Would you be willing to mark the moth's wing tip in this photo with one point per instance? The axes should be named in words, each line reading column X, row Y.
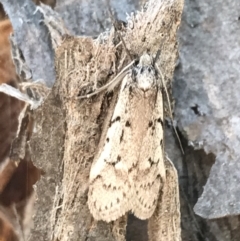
column 105, row 212
column 145, row 202
column 144, row 214
column 107, row 216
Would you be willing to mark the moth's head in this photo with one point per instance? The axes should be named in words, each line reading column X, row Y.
column 145, row 60
column 145, row 73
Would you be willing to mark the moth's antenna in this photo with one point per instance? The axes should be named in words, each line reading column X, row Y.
column 116, row 29
column 110, row 86
column 156, row 57
column 169, row 105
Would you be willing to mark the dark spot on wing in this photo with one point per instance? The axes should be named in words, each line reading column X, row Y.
column 161, row 142
column 113, row 163
column 127, row 124
column 107, row 140
column 150, row 123
column 98, row 176
column 124, row 195
column 121, row 137
column 118, row 158
column 118, row 200
column 150, row 161
column 159, row 120
column 132, row 167
column 130, row 89
column 118, row 118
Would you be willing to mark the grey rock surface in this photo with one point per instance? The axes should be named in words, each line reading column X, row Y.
column 91, row 17
column 32, row 38
column 206, row 90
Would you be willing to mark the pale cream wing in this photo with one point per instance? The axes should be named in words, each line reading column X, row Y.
column 109, row 189
column 150, row 171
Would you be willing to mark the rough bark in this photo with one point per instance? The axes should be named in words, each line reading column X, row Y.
column 32, row 39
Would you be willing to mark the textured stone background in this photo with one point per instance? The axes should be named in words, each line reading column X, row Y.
column 206, row 89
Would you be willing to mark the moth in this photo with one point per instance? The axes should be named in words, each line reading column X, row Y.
column 128, row 173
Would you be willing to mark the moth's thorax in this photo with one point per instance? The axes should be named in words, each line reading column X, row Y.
column 145, row 74
column 145, row 81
